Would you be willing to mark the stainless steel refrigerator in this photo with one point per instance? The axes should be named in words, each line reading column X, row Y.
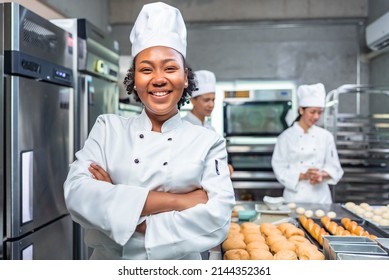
column 96, row 62
column 36, row 109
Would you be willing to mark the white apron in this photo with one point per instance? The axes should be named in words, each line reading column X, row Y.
column 295, row 152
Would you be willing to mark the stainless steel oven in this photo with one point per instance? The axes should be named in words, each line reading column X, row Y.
column 252, row 121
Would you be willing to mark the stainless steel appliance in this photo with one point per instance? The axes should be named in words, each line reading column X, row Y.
column 96, row 62
column 36, row 136
column 252, row 121
column 362, row 141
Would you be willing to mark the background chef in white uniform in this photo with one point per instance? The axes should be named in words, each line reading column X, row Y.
column 203, row 101
column 152, row 186
column 305, row 160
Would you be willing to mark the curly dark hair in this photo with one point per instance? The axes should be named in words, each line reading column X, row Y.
column 129, row 82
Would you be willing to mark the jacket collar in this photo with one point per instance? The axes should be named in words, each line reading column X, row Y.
column 167, row 126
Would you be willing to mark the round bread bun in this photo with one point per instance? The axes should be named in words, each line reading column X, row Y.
column 273, row 238
column 259, row 254
column 269, row 228
column 331, row 214
column 235, row 234
column 251, row 237
column 234, row 226
column 236, row 254
column 308, row 213
column 233, row 243
column 385, row 215
column 257, row 245
column 349, row 205
column 302, row 247
column 285, row 255
column 298, row 239
column 319, row 213
column 359, row 210
column 292, row 205
column 365, row 205
column 300, row 210
column 368, row 214
column 294, row 231
column 376, row 218
column 282, row 245
column 310, row 253
column 384, row 222
column 284, row 226
column 249, row 225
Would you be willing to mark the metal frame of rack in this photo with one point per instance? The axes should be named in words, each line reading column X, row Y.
column 362, row 142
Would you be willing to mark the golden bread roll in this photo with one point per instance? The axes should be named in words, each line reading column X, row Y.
column 267, row 228
column 235, row 234
column 251, row 237
column 310, row 253
column 302, row 247
column 298, row 239
column 282, row 245
column 293, row 231
column 246, row 231
column 256, row 245
column 236, row 254
column 284, row 226
column 233, row 243
column 234, row 226
column 249, row 225
column 271, row 239
column 345, row 221
column 259, row 254
column 285, row 255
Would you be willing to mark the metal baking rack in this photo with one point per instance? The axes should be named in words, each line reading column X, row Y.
column 362, row 141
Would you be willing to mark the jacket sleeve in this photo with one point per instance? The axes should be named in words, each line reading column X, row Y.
column 284, row 171
column 199, row 228
column 331, row 162
column 95, row 204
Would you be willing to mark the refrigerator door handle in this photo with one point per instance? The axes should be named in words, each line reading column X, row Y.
column 27, row 186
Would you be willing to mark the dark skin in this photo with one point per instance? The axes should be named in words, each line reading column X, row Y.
column 160, row 78
column 157, row 202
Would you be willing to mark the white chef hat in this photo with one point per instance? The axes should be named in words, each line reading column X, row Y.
column 311, row 95
column 158, row 24
column 206, row 82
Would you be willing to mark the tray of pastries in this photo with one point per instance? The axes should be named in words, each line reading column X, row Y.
column 269, row 241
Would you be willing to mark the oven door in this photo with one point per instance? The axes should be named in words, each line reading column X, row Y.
column 255, row 118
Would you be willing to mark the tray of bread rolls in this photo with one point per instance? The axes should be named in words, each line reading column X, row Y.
column 375, row 214
column 283, row 240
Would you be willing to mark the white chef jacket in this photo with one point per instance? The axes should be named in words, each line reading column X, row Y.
column 190, row 117
column 180, row 158
column 295, row 152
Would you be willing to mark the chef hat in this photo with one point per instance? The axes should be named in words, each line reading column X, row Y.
column 158, row 24
column 206, row 82
column 311, row 95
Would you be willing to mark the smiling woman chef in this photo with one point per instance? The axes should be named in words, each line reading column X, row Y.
column 305, row 159
column 171, row 196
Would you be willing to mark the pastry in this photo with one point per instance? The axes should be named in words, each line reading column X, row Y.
column 293, row 231
column 319, row 213
column 308, row 213
column 331, row 214
column 282, row 245
column 271, row 239
column 233, row 243
column 257, row 245
column 310, row 253
column 259, row 254
column 236, row 254
column 300, row 210
column 251, row 237
column 285, row 255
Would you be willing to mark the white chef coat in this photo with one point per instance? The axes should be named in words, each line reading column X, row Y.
column 190, row 117
column 295, row 152
column 176, row 160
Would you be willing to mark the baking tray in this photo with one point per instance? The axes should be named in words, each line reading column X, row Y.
column 384, row 228
column 353, row 257
column 364, row 249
